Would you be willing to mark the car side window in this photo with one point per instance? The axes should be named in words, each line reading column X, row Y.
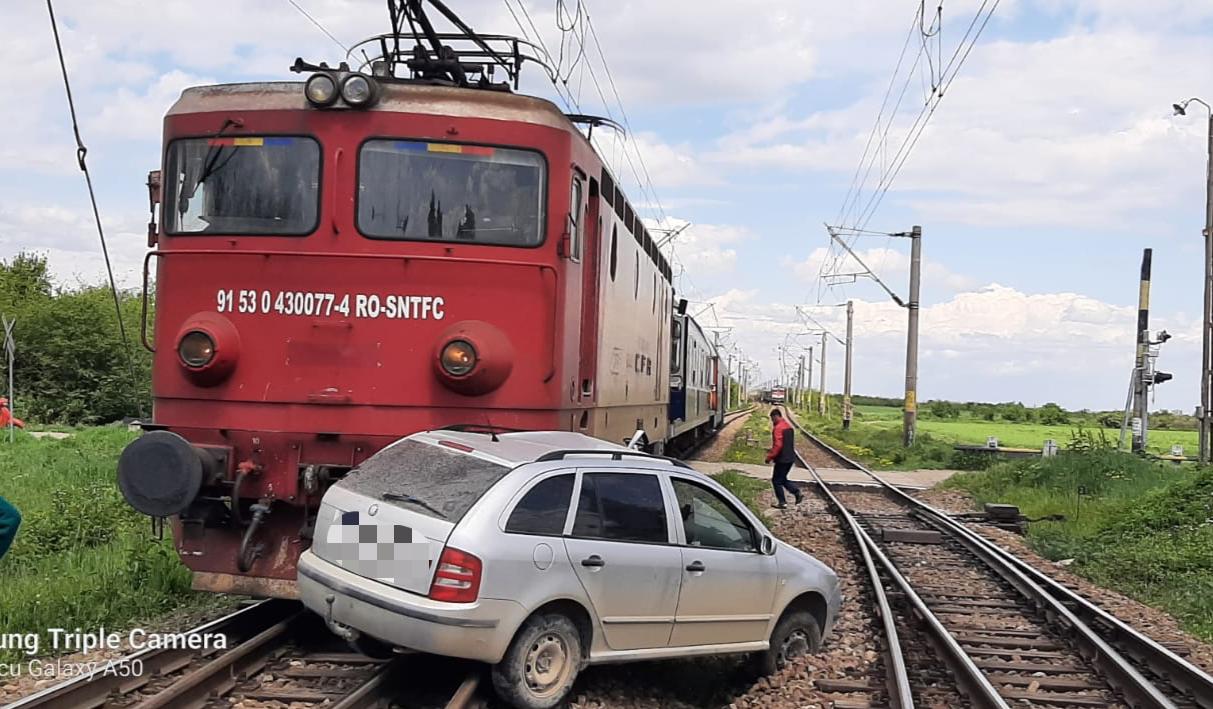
column 621, row 507
column 543, row 509
column 709, row 520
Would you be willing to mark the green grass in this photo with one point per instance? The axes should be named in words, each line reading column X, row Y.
column 879, row 445
column 971, row 431
column 1140, row 527
column 82, row 557
column 757, row 428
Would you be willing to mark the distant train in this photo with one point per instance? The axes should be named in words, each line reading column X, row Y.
column 351, row 259
column 774, row 395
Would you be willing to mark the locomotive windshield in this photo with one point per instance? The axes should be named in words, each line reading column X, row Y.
column 444, row 192
column 243, row 185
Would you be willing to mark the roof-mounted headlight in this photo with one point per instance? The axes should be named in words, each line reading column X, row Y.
column 359, row 90
column 321, row 90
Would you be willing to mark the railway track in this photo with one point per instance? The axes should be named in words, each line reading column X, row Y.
column 1007, row 634
column 277, row 653
column 694, row 448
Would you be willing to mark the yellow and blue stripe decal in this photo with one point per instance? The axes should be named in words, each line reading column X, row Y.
column 423, row 147
column 250, row 142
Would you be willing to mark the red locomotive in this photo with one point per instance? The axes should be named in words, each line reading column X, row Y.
column 347, row 260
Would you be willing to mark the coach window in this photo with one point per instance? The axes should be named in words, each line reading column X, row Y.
column 544, row 508
column 248, row 185
column 422, row 191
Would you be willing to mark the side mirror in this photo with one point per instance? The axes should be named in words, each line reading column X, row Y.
column 153, row 199
column 767, row 545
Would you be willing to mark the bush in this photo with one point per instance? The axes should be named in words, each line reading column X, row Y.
column 72, row 366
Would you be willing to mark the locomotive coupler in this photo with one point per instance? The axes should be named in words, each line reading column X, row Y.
column 249, row 552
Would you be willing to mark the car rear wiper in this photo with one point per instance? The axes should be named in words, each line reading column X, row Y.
column 398, row 497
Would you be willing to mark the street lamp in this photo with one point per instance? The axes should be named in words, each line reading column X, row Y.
column 1206, row 362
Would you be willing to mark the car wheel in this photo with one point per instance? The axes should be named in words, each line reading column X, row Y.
column 796, row 635
column 541, row 664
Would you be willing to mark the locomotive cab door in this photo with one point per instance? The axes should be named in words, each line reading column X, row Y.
column 589, row 227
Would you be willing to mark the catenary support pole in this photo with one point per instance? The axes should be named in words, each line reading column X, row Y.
column 910, row 416
column 1206, row 367
column 809, row 401
column 846, row 381
column 822, row 406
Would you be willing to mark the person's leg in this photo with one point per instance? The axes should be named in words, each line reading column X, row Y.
column 10, row 519
column 779, row 478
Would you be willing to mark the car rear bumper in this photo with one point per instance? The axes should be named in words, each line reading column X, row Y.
column 476, row 631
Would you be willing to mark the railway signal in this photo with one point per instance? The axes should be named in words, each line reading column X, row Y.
column 1144, row 376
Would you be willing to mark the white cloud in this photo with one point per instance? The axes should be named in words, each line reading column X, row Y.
column 997, row 343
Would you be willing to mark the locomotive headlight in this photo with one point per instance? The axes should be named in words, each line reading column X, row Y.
column 358, row 90
column 196, row 349
column 321, row 90
column 458, row 358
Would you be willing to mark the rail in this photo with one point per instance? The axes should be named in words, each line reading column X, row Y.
column 172, row 678
column 1102, row 638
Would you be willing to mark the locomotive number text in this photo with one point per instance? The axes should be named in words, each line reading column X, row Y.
column 319, row 304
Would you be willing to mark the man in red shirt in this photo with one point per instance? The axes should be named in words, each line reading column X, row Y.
column 783, row 455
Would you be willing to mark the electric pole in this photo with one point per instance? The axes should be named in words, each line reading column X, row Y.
column 846, row 382
column 821, row 405
column 810, row 380
column 910, row 419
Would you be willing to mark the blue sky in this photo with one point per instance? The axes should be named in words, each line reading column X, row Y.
column 1050, row 163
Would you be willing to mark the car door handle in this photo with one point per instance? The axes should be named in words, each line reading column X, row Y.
column 593, row 561
column 696, row 566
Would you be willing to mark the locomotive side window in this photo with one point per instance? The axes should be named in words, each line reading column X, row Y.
column 614, row 250
column 414, row 190
column 242, row 185
column 575, row 213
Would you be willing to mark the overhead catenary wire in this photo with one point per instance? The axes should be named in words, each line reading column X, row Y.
column 319, row 26
column 81, row 155
column 856, row 220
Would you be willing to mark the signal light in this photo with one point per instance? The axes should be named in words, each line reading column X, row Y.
column 196, row 349
column 457, row 578
column 1160, row 377
column 458, row 358
column 359, row 90
column 321, row 90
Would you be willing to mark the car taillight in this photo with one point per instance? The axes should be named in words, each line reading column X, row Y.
column 457, row 579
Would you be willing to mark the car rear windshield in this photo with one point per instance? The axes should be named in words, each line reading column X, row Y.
column 430, row 480
column 244, row 185
column 445, row 192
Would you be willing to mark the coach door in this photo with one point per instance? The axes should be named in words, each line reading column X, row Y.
column 588, row 228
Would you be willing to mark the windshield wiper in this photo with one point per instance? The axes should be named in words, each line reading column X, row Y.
column 399, row 497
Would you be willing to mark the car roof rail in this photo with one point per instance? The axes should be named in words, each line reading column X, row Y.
column 615, row 455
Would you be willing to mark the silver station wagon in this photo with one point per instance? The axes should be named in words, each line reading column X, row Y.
column 543, row 552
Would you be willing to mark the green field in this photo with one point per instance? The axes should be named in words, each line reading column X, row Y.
column 82, row 557
column 1010, row 434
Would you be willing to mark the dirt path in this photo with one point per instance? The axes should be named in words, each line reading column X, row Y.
column 715, row 450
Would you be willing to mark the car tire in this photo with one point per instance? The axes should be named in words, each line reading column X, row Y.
column 541, row 664
column 796, row 634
